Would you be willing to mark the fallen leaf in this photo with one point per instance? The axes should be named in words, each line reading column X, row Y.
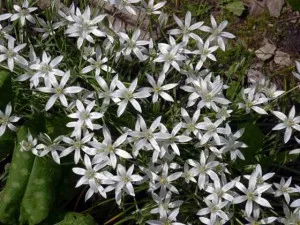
column 282, row 58
column 274, row 7
column 236, row 7
column 254, row 74
column 266, row 52
column 255, row 7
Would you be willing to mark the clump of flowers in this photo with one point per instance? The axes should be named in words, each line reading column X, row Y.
column 144, row 115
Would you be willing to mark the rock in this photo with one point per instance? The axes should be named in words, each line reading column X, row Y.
column 274, row 7
column 282, row 58
column 266, row 52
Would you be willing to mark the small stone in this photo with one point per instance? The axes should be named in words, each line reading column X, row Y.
column 282, row 58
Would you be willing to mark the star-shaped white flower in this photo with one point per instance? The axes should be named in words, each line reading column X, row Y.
column 287, row 123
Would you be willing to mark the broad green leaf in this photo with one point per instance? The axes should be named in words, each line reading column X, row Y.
column 40, row 191
column 43, row 183
column 19, row 173
column 236, row 7
column 7, row 143
column 253, row 137
column 5, row 89
column 72, row 218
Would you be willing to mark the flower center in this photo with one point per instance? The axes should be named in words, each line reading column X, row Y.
column 10, row 53
column 90, row 173
column 4, row 120
column 250, row 196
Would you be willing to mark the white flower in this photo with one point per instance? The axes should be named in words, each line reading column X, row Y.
column 23, row 13
column 190, row 124
column 214, row 208
column 47, row 28
column 77, row 145
column 205, row 51
column 231, row 145
column 128, row 95
column 152, row 9
column 164, row 181
column 287, row 123
column 290, row 217
column 6, row 119
column 29, row 145
column 158, row 89
column 252, row 195
column 203, row 169
column 29, row 73
column 123, row 181
column 223, row 113
column 220, row 190
column 147, row 136
column 169, row 219
column 132, row 44
column 217, row 33
column 255, row 219
column 106, row 91
column 90, row 175
column 186, row 29
column 211, row 129
column 125, row 4
column 209, row 92
column 252, row 101
column 50, row 146
column 187, row 174
column 170, row 55
column 297, row 74
column 46, row 69
column 84, row 117
column 283, row 188
column 11, row 53
column 98, row 64
column 164, row 204
column 174, row 139
column 59, row 91
column 296, row 151
column 109, row 149
column 82, row 26
column 4, row 32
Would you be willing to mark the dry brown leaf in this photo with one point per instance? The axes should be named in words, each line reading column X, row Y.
column 274, row 7
column 254, row 74
column 256, row 7
column 282, row 58
column 266, row 52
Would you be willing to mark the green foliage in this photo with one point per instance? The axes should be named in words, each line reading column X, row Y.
column 253, row 137
column 19, row 173
column 236, row 7
column 295, row 4
column 198, row 9
column 6, row 92
column 7, row 143
column 40, row 191
column 7, row 140
column 72, row 218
